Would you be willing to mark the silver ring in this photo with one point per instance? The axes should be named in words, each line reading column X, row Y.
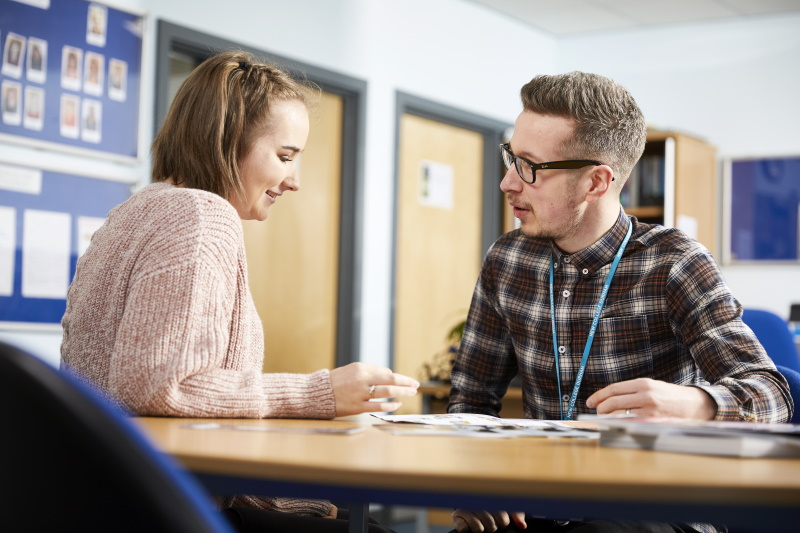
column 627, row 411
column 371, row 392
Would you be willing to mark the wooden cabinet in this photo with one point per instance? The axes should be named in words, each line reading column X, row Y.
column 675, row 184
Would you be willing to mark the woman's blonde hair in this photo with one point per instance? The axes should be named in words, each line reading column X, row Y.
column 218, row 113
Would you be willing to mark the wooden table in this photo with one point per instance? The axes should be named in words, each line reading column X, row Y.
column 559, row 478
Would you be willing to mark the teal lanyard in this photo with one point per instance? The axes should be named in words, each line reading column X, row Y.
column 598, row 309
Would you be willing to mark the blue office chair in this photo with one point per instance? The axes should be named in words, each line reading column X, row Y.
column 72, row 462
column 793, row 377
column 773, row 333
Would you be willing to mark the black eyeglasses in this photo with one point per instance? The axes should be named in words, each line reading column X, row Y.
column 527, row 169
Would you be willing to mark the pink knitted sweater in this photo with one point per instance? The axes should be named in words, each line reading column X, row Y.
column 160, row 317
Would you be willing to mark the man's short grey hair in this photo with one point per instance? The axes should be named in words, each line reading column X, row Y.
column 609, row 126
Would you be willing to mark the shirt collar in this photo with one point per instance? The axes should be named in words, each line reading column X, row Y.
column 594, row 257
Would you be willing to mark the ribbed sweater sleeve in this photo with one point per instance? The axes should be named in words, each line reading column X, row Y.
column 283, row 505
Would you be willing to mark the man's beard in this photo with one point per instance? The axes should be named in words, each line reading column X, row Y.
column 558, row 233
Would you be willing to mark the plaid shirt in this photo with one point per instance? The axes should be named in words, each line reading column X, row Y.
column 668, row 316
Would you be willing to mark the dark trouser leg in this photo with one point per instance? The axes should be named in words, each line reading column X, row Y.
column 249, row 520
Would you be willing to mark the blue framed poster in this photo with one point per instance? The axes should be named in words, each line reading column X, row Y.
column 70, row 76
column 762, row 201
column 46, row 222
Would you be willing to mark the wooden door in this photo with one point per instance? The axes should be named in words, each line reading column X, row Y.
column 438, row 250
column 293, row 256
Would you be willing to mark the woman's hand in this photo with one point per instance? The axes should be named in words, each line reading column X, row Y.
column 356, row 384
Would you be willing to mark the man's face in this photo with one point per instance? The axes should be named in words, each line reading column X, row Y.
column 551, row 206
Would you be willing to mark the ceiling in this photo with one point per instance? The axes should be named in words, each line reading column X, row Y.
column 564, row 18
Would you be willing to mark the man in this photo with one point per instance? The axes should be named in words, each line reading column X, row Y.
column 668, row 339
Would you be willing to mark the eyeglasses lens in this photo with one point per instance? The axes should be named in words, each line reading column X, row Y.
column 524, row 170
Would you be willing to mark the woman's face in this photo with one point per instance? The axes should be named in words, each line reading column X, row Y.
column 270, row 169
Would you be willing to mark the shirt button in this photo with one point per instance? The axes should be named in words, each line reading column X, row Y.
column 562, row 349
column 567, row 259
column 565, row 397
column 585, row 271
column 566, row 294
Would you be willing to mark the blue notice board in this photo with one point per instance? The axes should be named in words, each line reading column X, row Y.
column 764, row 209
column 70, row 76
column 46, row 222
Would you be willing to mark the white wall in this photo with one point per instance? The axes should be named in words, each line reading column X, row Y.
column 735, row 84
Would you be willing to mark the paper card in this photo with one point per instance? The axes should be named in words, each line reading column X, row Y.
column 45, row 253
column 18, row 179
column 8, row 239
column 436, row 185
column 688, row 225
column 86, row 228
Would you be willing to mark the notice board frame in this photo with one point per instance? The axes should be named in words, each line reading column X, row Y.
column 761, row 210
column 56, row 27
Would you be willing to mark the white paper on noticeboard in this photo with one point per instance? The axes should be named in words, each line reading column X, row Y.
column 86, row 228
column 8, row 238
column 18, row 179
column 45, row 254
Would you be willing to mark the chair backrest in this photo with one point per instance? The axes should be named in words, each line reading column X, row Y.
column 773, row 333
column 72, row 462
column 793, row 378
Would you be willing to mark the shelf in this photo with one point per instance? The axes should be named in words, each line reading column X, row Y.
column 650, row 211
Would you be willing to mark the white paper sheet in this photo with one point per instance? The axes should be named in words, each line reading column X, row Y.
column 20, row 179
column 688, row 225
column 436, row 185
column 477, row 425
column 46, row 239
column 8, row 239
column 86, row 228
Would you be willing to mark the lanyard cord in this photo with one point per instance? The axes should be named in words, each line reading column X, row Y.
column 598, row 309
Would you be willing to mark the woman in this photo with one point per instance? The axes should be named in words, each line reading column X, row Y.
column 159, row 314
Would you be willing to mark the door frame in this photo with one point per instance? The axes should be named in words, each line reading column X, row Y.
column 493, row 132
column 353, row 91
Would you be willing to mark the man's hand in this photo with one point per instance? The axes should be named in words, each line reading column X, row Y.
column 465, row 520
column 649, row 397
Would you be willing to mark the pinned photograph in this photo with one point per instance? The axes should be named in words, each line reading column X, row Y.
column 37, row 60
column 92, row 115
column 13, row 55
column 68, row 117
column 96, row 25
column 12, row 103
column 34, row 108
column 117, row 79
column 71, row 58
column 94, row 69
